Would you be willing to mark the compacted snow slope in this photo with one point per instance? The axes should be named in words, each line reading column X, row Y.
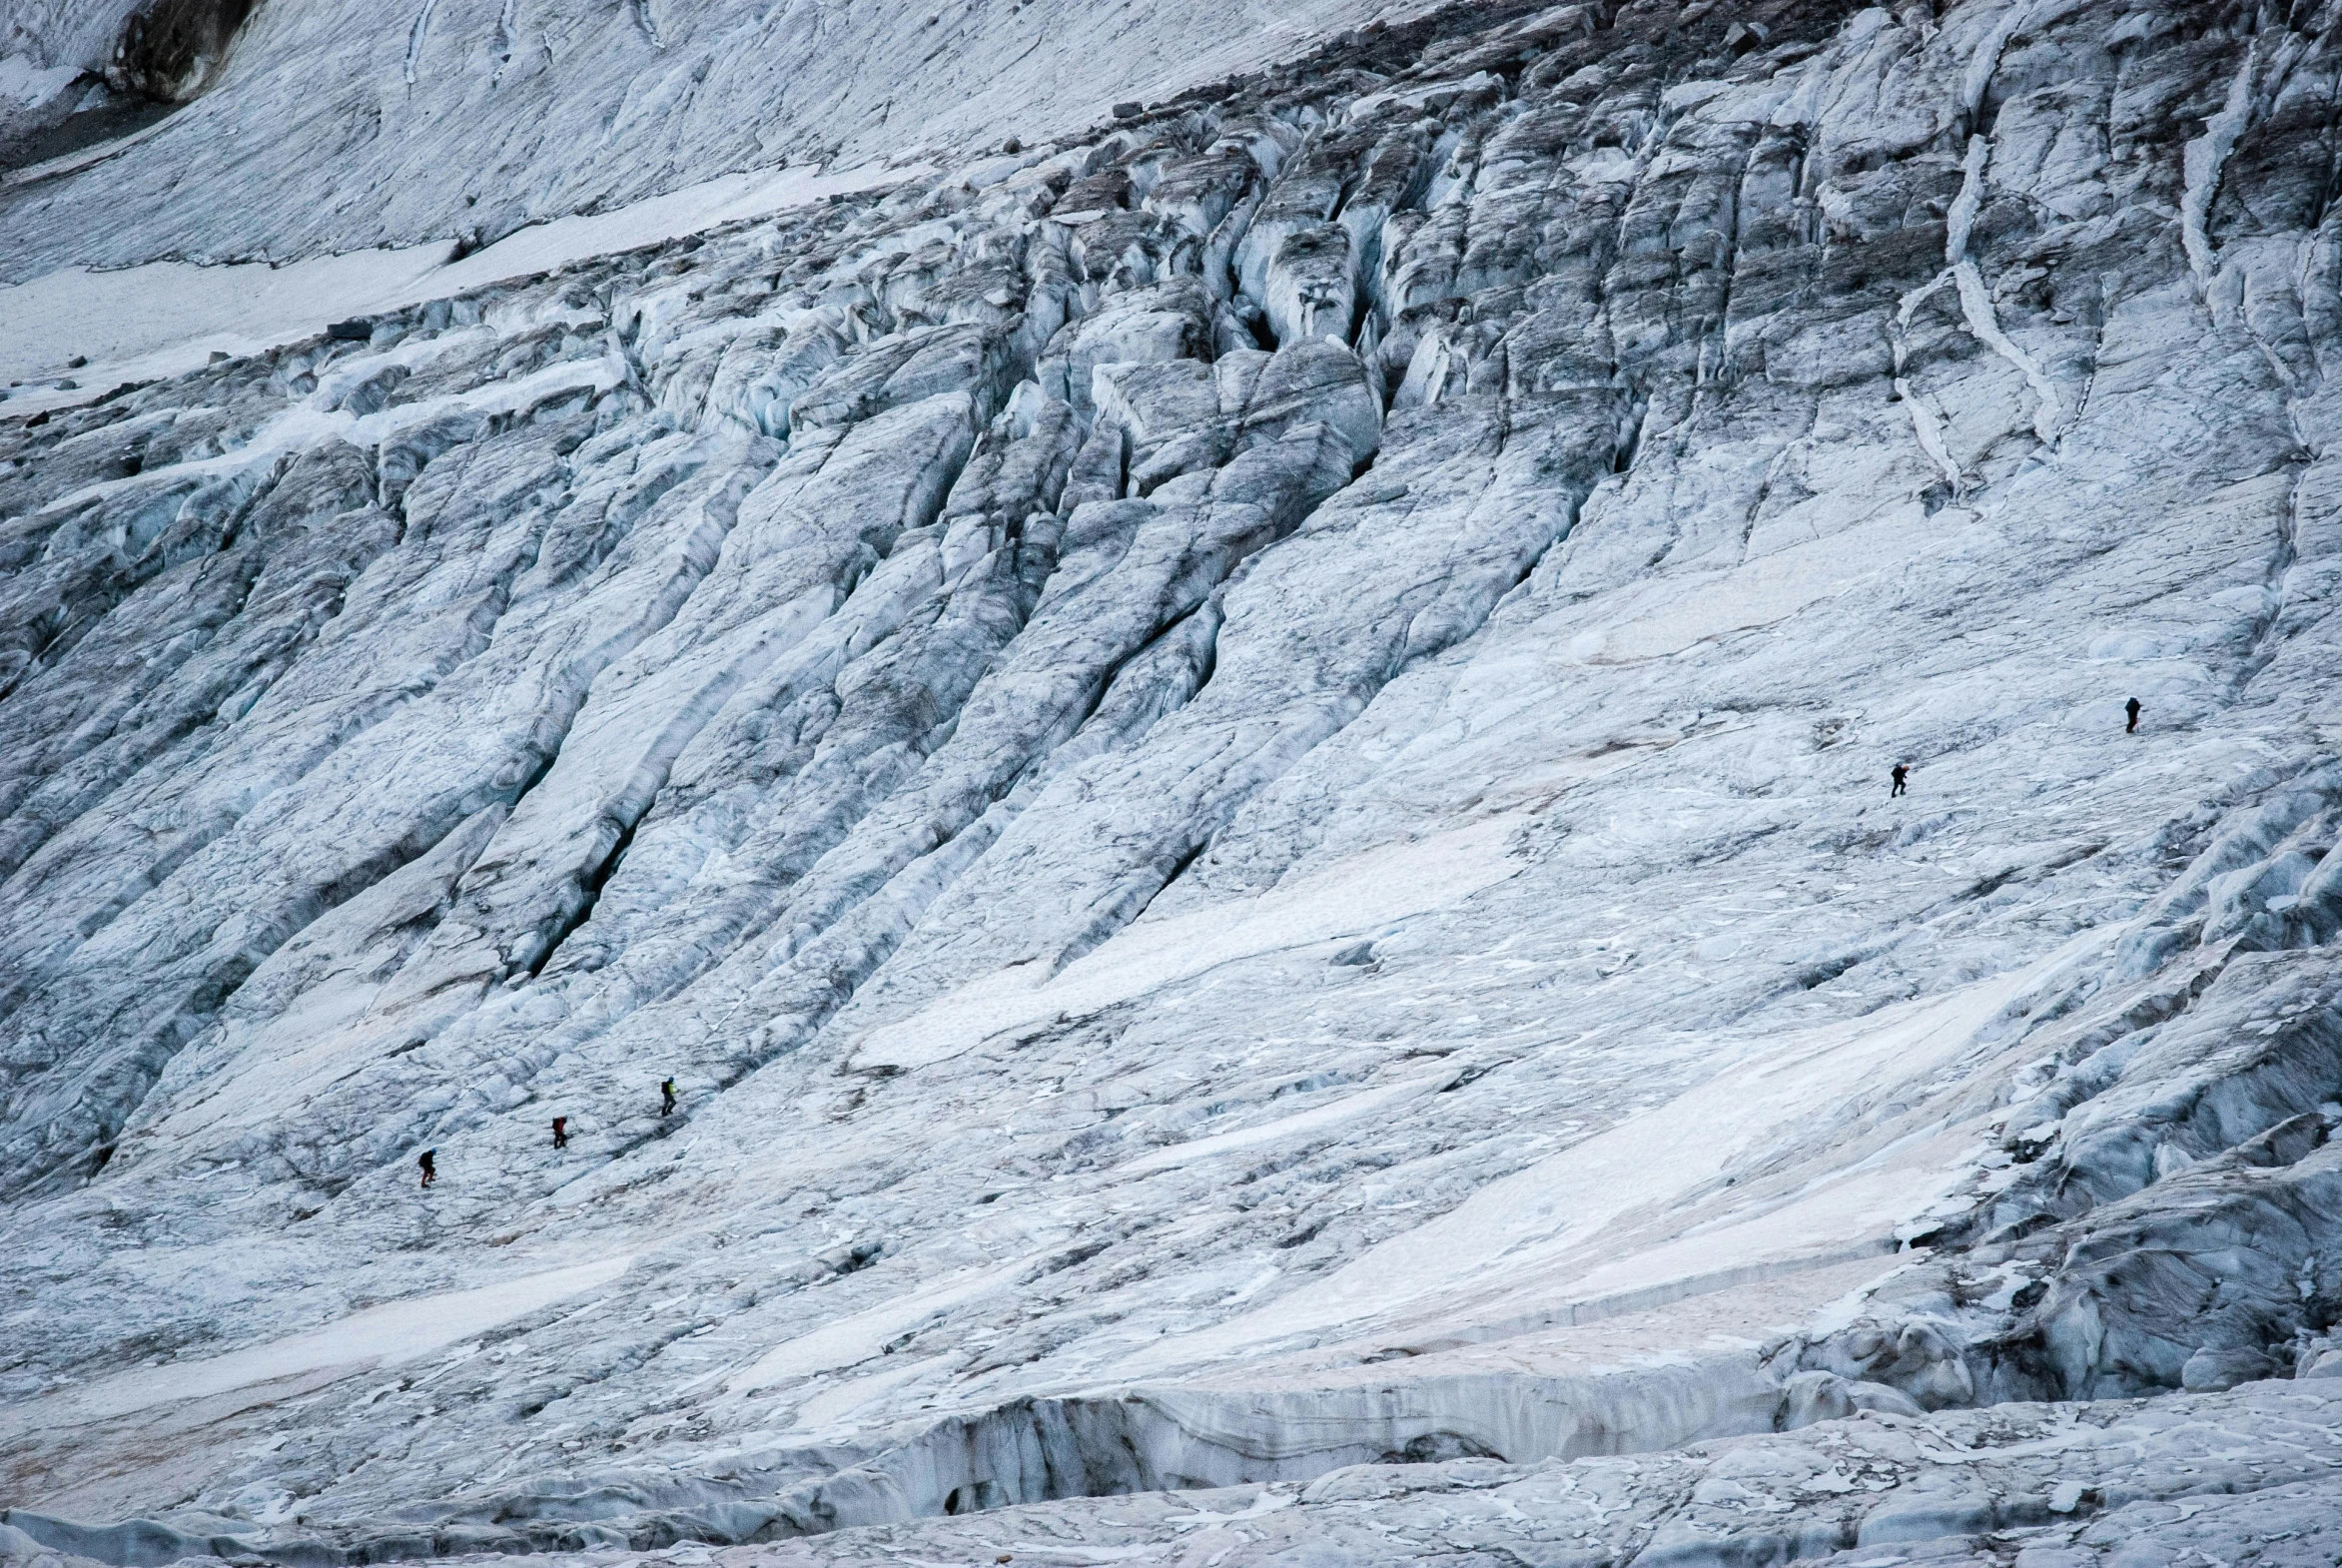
column 1239, row 764
column 341, row 127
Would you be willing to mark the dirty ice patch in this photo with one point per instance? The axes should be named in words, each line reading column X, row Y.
column 75, row 162
column 381, row 1336
column 165, row 319
column 1362, row 894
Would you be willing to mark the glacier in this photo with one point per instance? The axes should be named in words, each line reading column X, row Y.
column 1218, row 683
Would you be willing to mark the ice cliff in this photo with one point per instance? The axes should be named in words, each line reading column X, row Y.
column 1235, row 747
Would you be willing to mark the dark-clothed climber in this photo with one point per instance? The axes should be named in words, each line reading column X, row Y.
column 666, row 1097
column 560, row 1131
column 431, row 1172
column 2131, row 708
column 1898, row 773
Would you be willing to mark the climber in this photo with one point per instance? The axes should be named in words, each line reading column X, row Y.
column 1898, row 773
column 2131, row 708
column 667, row 1097
column 431, row 1172
column 560, row 1131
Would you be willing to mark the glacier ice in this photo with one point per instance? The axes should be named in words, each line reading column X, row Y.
column 1237, row 753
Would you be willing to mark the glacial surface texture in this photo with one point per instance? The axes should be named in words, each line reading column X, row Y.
column 1236, row 756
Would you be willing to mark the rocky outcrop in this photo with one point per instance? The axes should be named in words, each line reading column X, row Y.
column 171, row 50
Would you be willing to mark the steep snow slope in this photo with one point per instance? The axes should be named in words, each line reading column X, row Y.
column 345, row 126
column 1239, row 763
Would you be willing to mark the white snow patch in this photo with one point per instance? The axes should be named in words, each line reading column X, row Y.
column 1298, row 1128
column 381, row 1335
column 858, row 1338
column 167, row 318
column 1604, row 1220
column 1371, row 890
column 1661, row 620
